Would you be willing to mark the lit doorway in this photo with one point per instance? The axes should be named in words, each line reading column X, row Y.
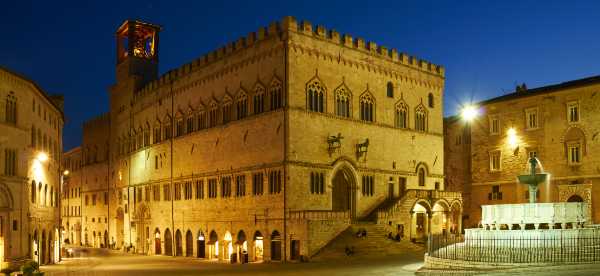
column 258, row 246
column 200, row 246
column 227, row 246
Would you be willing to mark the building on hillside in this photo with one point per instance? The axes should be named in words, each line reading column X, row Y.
column 555, row 123
column 31, row 124
column 271, row 145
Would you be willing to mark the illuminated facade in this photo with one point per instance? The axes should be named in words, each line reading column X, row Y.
column 556, row 123
column 270, row 146
column 31, row 124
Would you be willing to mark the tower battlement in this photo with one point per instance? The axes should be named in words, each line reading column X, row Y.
column 280, row 29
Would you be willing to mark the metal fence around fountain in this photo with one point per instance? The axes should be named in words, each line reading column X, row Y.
column 545, row 248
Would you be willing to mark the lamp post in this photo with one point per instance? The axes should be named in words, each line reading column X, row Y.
column 469, row 112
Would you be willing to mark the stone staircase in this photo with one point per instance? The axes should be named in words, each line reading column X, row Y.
column 375, row 244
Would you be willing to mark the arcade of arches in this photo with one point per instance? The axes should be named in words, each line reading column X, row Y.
column 234, row 248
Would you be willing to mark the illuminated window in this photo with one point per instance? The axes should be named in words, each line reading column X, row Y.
column 257, row 183
column 494, row 125
column 573, row 112
column 315, row 98
column 240, row 185
column 368, row 185
column 495, row 157
column 531, row 118
column 420, row 118
column 259, row 99
column 401, row 115
column 317, row 183
column 276, row 95
column 342, row 102
column 574, row 154
column 367, row 107
column 274, row 182
column 226, row 186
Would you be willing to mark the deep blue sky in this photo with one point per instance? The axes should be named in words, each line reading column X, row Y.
column 486, row 47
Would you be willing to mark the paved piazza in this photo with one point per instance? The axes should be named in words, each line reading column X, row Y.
column 99, row 262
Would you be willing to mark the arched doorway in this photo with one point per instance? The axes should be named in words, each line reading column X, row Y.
column 213, row 245
column 275, row 246
column 227, row 246
column 178, row 244
column 35, row 250
column 258, row 246
column 439, row 218
column 575, row 198
column 241, row 246
column 343, row 192
column 189, row 244
column 157, row 245
column 420, row 221
column 120, row 225
column 168, row 243
column 43, row 248
column 200, row 245
column 141, row 219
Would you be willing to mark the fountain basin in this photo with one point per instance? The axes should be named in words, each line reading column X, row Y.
column 513, row 215
column 533, row 179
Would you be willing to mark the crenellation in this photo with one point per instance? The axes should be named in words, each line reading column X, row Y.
column 289, row 23
column 306, row 27
column 261, row 33
column 348, row 41
column 273, row 29
column 250, row 39
column 360, row 44
column 240, row 43
column 334, row 36
column 321, row 31
column 394, row 55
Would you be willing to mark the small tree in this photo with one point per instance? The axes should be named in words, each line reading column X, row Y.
column 31, row 268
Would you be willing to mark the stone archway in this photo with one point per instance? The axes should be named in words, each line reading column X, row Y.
column 142, row 219
column 178, row 243
column 344, row 187
column 189, row 244
column 120, row 225
column 577, row 191
column 168, row 243
column 420, row 220
column 6, row 204
column 157, row 243
column 575, row 198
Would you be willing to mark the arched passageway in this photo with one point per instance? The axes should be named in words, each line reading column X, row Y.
column 178, row 244
column 168, row 243
column 227, row 246
column 241, row 246
column 258, row 246
column 420, row 222
column 157, row 243
column 213, row 245
column 201, row 245
column 275, row 246
column 120, row 227
column 189, row 244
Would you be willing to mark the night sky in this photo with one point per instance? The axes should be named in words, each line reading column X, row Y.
column 487, row 48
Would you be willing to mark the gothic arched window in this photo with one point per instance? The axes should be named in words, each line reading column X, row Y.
column 242, row 105
column 367, row 107
column 11, row 109
column 276, row 95
column 421, row 175
column 421, row 118
column 259, row 99
column 401, row 115
column 315, row 97
column 343, row 98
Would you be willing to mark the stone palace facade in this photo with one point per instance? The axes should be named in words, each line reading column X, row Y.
column 269, row 146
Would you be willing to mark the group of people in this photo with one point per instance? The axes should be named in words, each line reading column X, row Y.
column 397, row 237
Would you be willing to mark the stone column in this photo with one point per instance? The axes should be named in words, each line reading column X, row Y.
column 460, row 219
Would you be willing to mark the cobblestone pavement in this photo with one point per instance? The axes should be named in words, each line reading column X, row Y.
column 101, row 262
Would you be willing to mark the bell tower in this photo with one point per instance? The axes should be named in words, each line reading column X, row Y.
column 137, row 52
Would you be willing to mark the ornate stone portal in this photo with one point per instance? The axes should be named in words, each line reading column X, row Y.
column 574, row 192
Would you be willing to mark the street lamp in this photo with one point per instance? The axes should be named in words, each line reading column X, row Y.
column 42, row 157
column 66, row 172
column 469, row 112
